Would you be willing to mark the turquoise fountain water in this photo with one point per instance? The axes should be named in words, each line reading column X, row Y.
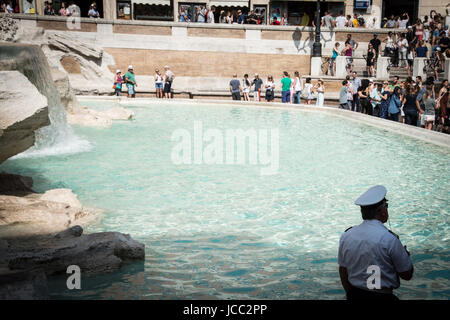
column 223, row 231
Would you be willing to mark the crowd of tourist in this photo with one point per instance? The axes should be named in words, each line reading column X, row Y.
column 163, row 83
column 412, row 102
column 293, row 89
column 70, row 9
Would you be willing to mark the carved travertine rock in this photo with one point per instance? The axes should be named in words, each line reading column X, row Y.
column 22, row 111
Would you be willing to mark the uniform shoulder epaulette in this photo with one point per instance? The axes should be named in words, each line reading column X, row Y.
column 348, row 229
column 394, row 234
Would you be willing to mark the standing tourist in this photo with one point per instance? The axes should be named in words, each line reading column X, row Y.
column 385, row 100
column 222, row 17
column 430, row 109
column 257, row 82
column 130, row 79
column 370, row 62
column 403, row 50
column 328, row 20
column 395, row 105
column 320, row 93
column 349, row 93
column 372, row 244
column 63, row 11
column 409, row 106
column 375, row 99
column 241, row 17
column 118, row 80
column 286, row 88
column 443, row 95
column 404, row 21
column 308, row 90
column 333, row 58
column 28, row 7
column 356, row 84
column 376, row 43
column 389, row 48
column 168, row 80
column 235, row 88
column 341, row 21
column 348, row 53
column 201, row 14
column 270, row 89
column 252, row 18
column 246, row 87
column 93, row 13
column 421, row 50
column 298, row 87
column 211, row 15
column 343, row 95
column 183, row 15
column 363, row 96
column 48, row 10
column 159, row 84
column 391, row 22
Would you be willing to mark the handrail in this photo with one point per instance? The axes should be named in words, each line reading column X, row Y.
column 197, row 25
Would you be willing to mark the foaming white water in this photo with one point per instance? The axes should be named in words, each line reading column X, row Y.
column 73, row 146
column 57, row 138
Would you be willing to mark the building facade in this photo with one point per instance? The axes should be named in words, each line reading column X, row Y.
column 297, row 12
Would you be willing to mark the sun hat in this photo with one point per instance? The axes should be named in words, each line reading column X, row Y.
column 118, row 70
column 130, row 67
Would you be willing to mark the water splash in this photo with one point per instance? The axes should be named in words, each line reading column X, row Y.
column 57, row 138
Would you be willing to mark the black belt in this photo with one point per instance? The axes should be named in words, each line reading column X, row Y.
column 355, row 293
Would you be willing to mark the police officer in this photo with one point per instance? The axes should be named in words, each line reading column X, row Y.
column 371, row 258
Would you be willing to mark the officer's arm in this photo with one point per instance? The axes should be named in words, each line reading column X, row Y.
column 407, row 275
column 402, row 261
column 344, row 278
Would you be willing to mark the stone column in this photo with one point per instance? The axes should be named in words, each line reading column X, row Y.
column 382, row 64
column 341, row 62
column 175, row 10
column 377, row 6
column 447, row 69
column 418, row 65
column 109, row 9
column 316, row 66
column 40, row 7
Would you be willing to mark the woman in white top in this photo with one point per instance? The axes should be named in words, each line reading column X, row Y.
column 158, row 84
column 389, row 48
column 270, row 88
column 246, row 87
column 320, row 93
column 292, row 90
column 298, row 87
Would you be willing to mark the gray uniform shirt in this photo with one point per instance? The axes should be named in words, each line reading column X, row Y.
column 370, row 244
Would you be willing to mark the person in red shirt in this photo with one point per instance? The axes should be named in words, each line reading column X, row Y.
column 275, row 21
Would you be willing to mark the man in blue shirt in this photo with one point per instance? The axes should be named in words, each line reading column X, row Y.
column 356, row 83
column 241, row 17
column 371, row 258
column 419, row 100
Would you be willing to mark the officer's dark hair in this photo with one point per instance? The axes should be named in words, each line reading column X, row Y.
column 370, row 212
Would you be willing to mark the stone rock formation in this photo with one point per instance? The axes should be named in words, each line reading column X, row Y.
column 81, row 115
column 8, row 28
column 22, row 111
column 47, row 213
column 93, row 253
column 23, row 285
column 93, row 118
